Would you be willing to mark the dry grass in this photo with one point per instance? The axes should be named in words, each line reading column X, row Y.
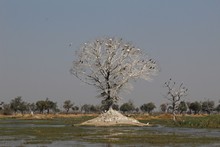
column 146, row 117
column 45, row 116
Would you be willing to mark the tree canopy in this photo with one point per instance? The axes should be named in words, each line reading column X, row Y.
column 110, row 64
column 127, row 107
column 182, row 107
column 149, row 107
column 46, row 105
column 196, row 107
column 17, row 104
column 67, row 105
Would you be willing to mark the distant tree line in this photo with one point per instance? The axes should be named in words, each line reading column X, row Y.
column 202, row 107
column 47, row 106
column 18, row 105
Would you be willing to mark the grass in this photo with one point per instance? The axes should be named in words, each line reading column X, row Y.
column 209, row 121
column 186, row 121
column 62, row 129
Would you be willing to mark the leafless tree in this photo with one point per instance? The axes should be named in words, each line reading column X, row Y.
column 174, row 95
column 110, row 64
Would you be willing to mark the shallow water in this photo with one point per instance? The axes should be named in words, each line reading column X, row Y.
column 189, row 131
column 86, row 144
column 91, row 134
column 28, row 123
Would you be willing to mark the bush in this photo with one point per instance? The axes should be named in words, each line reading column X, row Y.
column 210, row 121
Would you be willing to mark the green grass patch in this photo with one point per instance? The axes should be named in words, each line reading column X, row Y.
column 63, row 129
column 209, row 121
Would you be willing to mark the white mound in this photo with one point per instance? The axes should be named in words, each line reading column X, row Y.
column 112, row 118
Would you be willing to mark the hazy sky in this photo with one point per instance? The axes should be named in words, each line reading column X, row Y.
column 35, row 57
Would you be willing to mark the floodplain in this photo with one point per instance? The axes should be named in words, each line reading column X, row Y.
column 62, row 130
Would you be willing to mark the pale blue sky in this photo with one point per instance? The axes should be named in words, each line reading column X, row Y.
column 183, row 36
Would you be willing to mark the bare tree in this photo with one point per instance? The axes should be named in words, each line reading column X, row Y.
column 110, row 64
column 174, row 95
column 67, row 105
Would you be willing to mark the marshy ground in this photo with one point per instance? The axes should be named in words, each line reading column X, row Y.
column 60, row 130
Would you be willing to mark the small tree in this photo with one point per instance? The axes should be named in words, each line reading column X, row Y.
column 196, row 107
column 174, row 95
column 1, row 105
column 40, row 106
column 85, row 108
column 110, row 64
column 47, row 105
column 17, row 104
column 67, row 105
column 182, row 107
column 75, row 108
column 218, row 108
column 127, row 107
column 163, row 107
column 32, row 107
column 208, row 106
column 149, row 107
column 50, row 105
column 23, row 107
column 94, row 109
